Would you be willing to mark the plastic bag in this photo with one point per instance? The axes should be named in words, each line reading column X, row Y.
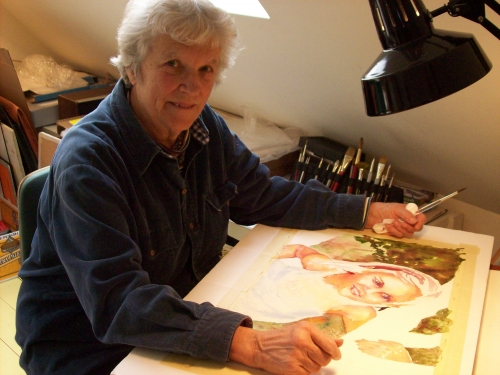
column 261, row 136
column 45, row 71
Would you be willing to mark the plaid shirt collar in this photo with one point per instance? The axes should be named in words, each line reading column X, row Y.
column 200, row 132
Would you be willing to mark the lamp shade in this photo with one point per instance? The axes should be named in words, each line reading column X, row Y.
column 418, row 64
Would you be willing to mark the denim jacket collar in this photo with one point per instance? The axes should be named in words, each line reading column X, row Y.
column 141, row 146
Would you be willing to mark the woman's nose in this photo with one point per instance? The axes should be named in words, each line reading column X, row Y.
column 190, row 82
column 363, row 289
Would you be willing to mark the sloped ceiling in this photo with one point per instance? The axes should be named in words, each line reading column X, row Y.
column 303, row 68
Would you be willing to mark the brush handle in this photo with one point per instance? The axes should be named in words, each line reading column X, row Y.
column 299, row 166
column 431, row 205
column 387, row 193
column 374, row 189
column 337, row 181
column 324, row 174
column 352, row 179
column 380, row 194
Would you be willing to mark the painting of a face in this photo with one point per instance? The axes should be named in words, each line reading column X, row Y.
column 374, row 287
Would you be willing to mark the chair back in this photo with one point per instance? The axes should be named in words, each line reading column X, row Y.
column 29, row 192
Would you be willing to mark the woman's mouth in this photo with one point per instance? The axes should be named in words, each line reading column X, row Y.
column 182, row 105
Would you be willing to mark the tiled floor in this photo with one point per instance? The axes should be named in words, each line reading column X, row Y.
column 9, row 350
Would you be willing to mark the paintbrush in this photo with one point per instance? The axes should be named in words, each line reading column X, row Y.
column 369, row 177
column 378, row 175
column 306, row 166
column 318, row 169
column 360, row 151
column 331, row 175
column 359, row 183
column 300, row 162
column 433, row 204
column 349, row 155
column 380, row 169
column 389, row 188
column 412, row 207
column 382, row 188
column 350, row 182
column 353, row 175
column 370, row 172
column 325, row 171
column 387, row 172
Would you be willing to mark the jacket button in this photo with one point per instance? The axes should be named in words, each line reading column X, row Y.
column 184, row 191
column 152, row 252
column 191, row 225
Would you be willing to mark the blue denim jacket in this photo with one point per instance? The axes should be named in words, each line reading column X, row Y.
column 123, row 235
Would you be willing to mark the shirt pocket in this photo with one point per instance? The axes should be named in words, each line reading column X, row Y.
column 161, row 240
column 221, row 195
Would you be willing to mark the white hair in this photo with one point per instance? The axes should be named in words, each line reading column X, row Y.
column 190, row 22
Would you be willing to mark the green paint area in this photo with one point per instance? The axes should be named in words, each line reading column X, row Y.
column 438, row 262
column 331, row 324
column 425, row 356
column 439, row 323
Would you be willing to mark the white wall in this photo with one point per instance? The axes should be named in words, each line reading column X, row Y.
column 17, row 39
column 303, row 68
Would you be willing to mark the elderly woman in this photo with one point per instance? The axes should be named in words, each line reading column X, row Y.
column 136, row 208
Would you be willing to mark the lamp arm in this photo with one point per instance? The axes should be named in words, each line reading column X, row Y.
column 490, row 27
column 439, row 11
column 494, row 5
column 473, row 10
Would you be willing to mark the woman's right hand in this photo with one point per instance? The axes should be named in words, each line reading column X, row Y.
column 298, row 348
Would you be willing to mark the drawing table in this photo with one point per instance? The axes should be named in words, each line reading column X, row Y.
column 219, row 281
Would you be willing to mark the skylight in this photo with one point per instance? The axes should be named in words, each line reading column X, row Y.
column 251, row 8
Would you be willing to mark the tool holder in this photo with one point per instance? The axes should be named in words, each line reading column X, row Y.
column 318, row 163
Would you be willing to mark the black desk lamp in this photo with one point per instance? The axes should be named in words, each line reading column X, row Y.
column 419, row 64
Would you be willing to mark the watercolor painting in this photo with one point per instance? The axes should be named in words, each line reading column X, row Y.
column 409, row 306
column 395, row 302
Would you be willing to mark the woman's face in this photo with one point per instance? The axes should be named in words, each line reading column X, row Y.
column 374, row 287
column 172, row 86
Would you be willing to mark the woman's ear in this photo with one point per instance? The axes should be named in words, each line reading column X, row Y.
column 131, row 76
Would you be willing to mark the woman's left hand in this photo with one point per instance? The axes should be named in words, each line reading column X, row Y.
column 405, row 224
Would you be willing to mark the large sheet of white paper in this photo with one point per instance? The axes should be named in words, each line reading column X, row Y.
column 255, row 268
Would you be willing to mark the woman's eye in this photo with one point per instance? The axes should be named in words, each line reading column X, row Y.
column 378, row 282
column 386, row 297
column 172, row 63
column 207, row 69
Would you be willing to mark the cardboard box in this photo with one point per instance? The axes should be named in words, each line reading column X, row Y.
column 10, row 254
column 417, row 196
column 65, row 124
column 44, row 113
column 10, row 88
column 81, row 102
